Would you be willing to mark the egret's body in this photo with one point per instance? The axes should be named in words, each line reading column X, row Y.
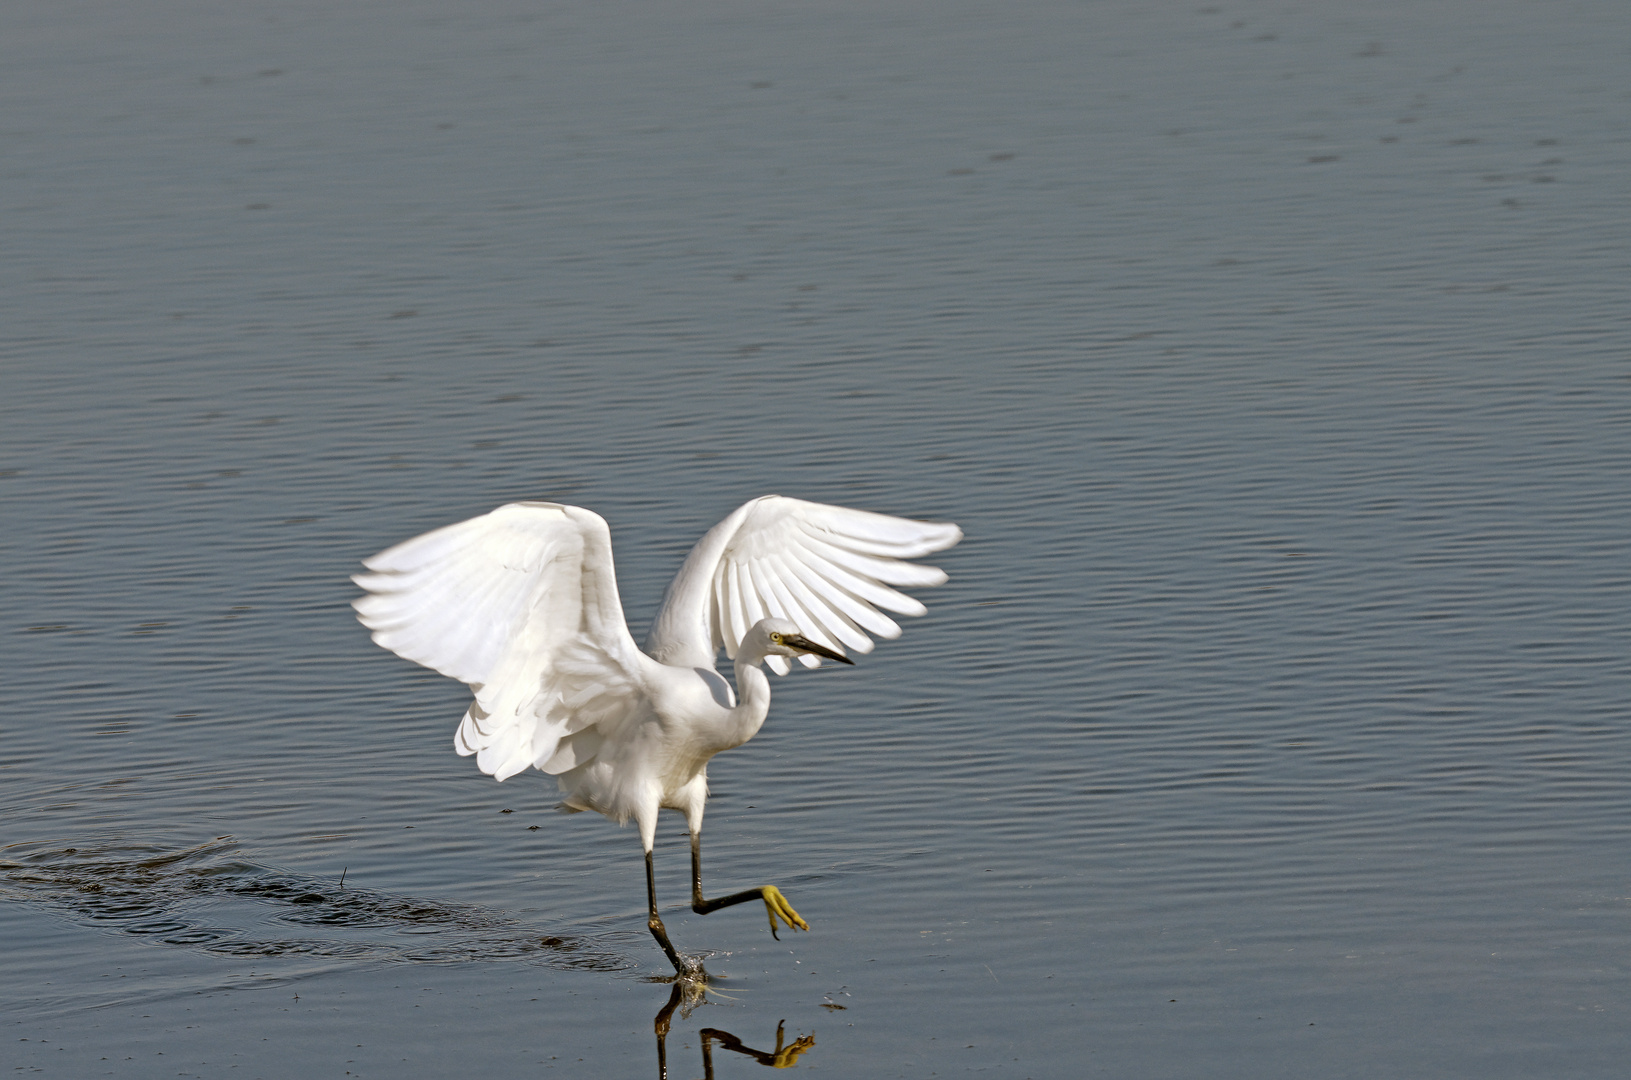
column 522, row 605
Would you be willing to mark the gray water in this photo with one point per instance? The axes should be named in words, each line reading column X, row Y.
column 1272, row 357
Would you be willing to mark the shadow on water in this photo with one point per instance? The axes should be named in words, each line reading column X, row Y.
column 196, row 898
column 686, row 995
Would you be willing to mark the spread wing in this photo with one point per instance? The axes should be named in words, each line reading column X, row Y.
column 522, row 605
column 827, row 568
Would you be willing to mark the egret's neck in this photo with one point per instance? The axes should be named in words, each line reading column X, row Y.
column 752, row 699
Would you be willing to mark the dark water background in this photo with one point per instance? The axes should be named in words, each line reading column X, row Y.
column 1272, row 356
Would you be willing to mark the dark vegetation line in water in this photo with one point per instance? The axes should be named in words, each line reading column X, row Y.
column 192, row 898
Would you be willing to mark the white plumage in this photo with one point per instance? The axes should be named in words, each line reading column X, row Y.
column 522, row 605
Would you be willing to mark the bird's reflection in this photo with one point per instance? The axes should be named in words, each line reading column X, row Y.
column 686, row 995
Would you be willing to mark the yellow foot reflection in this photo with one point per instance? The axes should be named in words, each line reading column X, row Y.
column 783, row 1057
column 778, row 907
column 686, row 996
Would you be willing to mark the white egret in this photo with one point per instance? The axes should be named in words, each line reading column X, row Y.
column 522, row 605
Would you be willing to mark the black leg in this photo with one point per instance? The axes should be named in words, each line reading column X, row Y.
column 775, row 903
column 654, row 922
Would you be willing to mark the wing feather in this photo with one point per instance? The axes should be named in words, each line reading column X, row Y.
column 830, row 569
column 720, row 621
column 738, row 608
column 765, row 587
column 838, row 605
column 521, row 604
column 887, row 570
column 817, row 615
column 752, row 607
column 858, row 594
column 892, row 537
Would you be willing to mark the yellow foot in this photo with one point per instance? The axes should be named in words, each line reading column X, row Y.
column 778, row 907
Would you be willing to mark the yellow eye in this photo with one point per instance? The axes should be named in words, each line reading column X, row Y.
column 775, row 638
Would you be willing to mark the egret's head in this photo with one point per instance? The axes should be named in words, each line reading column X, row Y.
column 782, row 638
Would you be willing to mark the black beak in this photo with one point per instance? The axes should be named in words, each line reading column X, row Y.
column 804, row 644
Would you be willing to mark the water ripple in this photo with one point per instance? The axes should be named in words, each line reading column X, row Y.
column 208, row 897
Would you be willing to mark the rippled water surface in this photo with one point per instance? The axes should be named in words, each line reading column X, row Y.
column 1274, row 359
